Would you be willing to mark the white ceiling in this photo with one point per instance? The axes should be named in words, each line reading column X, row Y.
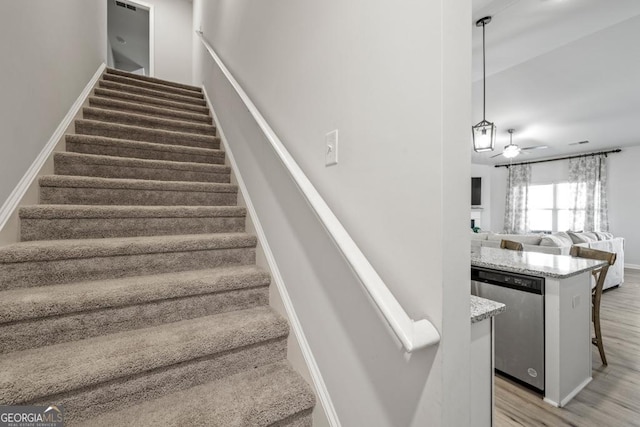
column 558, row 72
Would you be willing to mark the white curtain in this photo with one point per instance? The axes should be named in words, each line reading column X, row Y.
column 515, row 213
column 588, row 183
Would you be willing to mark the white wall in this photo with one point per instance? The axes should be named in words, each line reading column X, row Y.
column 624, row 204
column 394, row 79
column 624, row 201
column 50, row 50
column 173, row 59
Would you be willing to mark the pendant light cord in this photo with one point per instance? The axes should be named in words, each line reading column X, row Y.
column 484, row 78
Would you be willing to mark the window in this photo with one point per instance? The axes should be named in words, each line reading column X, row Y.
column 551, row 208
column 541, row 205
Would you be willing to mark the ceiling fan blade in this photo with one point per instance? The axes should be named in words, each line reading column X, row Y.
column 535, row 147
column 499, row 154
column 579, row 143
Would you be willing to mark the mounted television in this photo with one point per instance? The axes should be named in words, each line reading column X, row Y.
column 476, row 191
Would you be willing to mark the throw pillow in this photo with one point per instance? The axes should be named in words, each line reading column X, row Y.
column 603, row 235
column 579, row 237
column 553, row 241
column 564, row 237
column 593, row 236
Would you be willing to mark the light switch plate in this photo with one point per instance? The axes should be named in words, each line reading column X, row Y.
column 331, row 148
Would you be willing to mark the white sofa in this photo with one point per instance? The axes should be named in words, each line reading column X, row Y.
column 560, row 244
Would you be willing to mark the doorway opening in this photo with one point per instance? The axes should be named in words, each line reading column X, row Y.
column 130, row 36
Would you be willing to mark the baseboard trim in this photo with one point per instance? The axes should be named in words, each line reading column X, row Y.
column 314, row 370
column 575, row 392
column 632, row 266
column 13, row 201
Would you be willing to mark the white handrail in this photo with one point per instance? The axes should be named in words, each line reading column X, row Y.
column 413, row 334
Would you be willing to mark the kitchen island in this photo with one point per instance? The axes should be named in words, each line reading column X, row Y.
column 560, row 287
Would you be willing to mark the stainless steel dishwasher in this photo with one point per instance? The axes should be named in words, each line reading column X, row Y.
column 519, row 331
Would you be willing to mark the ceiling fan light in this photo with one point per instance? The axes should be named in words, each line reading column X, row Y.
column 484, row 136
column 510, row 151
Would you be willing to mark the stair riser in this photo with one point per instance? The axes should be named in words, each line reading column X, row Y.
column 58, row 329
column 116, row 196
column 146, row 135
column 115, row 105
column 303, row 419
column 93, row 228
column 143, row 153
column 147, row 122
column 147, row 100
column 113, row 71
column 152, row 86
column 152, row 93
column 43, row 273
column 64, row 167
column 86, row 404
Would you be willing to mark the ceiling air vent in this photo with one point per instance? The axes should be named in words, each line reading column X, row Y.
column 125, row 5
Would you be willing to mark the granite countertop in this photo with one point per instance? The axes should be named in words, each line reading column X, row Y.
column 482, row 308
column 532, row 263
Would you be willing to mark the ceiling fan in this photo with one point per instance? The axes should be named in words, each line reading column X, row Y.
column 512, row 150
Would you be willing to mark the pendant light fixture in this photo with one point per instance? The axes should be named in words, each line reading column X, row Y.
column 484, row 133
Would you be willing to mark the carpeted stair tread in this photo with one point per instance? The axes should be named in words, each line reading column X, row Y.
column 137, row 90
column 50, row 222
column 143, row 134
column 153, row 80
column 52, row 250
column 149, row 110
column 31, row 374
column 94, row 165
column 150, row 100
column 144, row 121
column 97, row 211
column 74, row 326
column 97, row 159
column 93, row 144
column 130, row 184
column 270, row 395
column 65, row 263
column 150, row 85
column 33, row 303
column 81, row 190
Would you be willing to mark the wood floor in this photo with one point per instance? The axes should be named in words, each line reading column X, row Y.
column 612, row 399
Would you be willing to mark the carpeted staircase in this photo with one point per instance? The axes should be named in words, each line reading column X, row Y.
column 134, row 298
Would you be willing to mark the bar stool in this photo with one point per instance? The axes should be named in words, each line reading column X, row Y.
column 511, row 245
column 596, row 292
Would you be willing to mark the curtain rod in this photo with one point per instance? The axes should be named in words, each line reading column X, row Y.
column 617, row 150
